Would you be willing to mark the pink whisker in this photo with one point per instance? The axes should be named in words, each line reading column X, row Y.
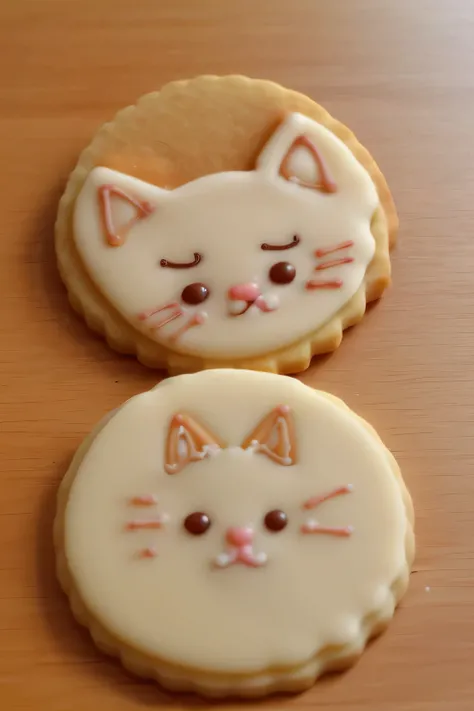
column 195, row 320
column 334, row 284
column 147, row 500
column 315, row 501
column 148, row 553
column 157, row 309
column 329, row 250
column 144, row 524
column 168, row 319
column 344, row 532
column 334, row 263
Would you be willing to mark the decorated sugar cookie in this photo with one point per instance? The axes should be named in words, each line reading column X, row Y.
column 223, row 531
column 225, row 222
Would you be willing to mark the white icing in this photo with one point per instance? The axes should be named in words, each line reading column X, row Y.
column 236, row 307
column 210, row 450
column 189, row 606
column 184, row 447
column 223, row 560
column 272, row 301
column 187, row 451
column 243, row 556
column 226, row 217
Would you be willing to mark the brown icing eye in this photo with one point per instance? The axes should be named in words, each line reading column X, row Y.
column 282, row 273
column 197, row 523
column 194, row 293
column 275, row 520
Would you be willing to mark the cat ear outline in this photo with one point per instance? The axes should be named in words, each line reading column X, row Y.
column 274, row 436
column 188, row 441
column 276, row 157
column 115, row 231
column 104, row 196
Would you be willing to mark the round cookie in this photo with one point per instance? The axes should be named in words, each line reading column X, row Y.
column 234, row 532
column 224, row 222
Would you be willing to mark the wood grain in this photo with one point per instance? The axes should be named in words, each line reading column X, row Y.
column 401, row 75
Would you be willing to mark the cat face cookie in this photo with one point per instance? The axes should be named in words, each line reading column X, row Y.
column 258, row 265
column 223, row 531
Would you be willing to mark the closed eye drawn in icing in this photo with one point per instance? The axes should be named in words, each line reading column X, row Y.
column 278, row 247
column 182, row 265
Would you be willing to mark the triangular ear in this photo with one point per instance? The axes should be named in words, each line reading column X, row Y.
column 294, row 156
column 120, row 211
column 188, row 441
column 289, row 168
column 274, row 436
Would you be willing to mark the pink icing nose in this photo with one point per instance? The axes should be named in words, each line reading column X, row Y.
column 244, row 292
column 239, row 536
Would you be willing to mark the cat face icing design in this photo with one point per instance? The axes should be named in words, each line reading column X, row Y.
column 274, row 437
column 223, row 515
column 234, row 263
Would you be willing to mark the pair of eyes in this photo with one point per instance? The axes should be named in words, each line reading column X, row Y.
column 279, row 273
column 199, row 522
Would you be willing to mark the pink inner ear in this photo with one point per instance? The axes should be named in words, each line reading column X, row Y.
column 116, row 234
column 326, row 184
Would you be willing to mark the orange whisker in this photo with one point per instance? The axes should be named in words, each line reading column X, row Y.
column 339, row 532
column 148, row 553
column 145, row 524
column 329, row 250
column 317, row 500
column 334, row 263
column 147, row 500
column 336, row 284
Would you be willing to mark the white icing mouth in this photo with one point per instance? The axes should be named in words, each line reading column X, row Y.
column 272, row 302
column 236, row 308
column 262, row 303
column 244, row 555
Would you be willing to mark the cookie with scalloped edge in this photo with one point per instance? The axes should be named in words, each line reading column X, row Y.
column 234, row 533
column 224, row 222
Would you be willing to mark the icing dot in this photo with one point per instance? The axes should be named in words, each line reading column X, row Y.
column 197, row 523
column 222, row 560
column 149, row 553
column 194, row 293
column 282, row 273
column 275, row 520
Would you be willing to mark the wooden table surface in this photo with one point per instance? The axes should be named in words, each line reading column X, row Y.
column 401, row 74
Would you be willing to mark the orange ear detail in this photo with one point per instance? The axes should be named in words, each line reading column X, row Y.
column 274, row 436
column 188, row 441
column 325, row 183
column 115, row 234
